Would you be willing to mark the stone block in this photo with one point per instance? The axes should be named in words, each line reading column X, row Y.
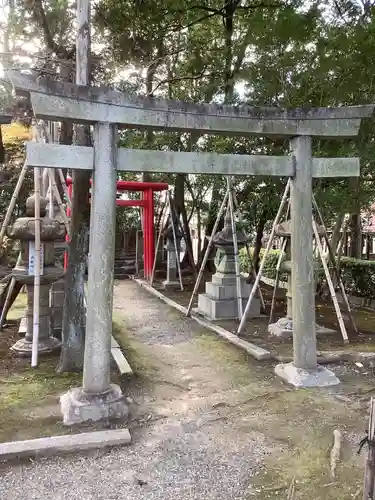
column 283, row 328
column 224, row 309
column 64, row 444
column 220, row 292
column 78, row 407
column 171, row 285
column 301, row 378
column 224, row 279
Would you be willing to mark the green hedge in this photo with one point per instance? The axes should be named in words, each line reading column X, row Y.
column 358, row 275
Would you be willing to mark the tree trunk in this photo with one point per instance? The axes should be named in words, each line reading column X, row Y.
column 74, row 316
column 355, row 249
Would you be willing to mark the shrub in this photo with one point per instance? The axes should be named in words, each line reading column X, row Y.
column 358, row 275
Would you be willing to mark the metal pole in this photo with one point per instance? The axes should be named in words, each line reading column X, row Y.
column 34, row 351
column 235, row 248
column 269, row 244
column 205, row 258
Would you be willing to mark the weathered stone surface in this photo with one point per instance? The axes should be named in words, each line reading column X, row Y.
column 135, row 160
column 215, row 309
column 284, row 328
column 62, row 100
column 299, row 377
column 78, row 407
column 24, row 229
column 64, row 444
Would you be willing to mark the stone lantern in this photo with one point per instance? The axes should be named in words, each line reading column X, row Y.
column 172, row 278
column 284, row 326
column 220, row 298
column 24, row 230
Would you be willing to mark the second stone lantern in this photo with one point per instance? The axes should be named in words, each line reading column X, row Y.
column 219, row 302
column 23, row 229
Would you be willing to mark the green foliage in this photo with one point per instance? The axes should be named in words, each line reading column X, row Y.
column 358, row 275
column 270, row 264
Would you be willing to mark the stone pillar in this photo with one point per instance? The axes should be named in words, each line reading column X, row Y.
column 304, row 370
column 99, row 399
column 24, row 230
column 172, row 278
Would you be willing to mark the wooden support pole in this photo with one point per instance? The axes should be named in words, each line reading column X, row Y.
column 235, row 248
column 173, row 222
column 369, row 479
column 268, row 248
column 330, row 285
column 162, row 219
column 251, row 267
column 336, row 267
column 206, row 255
column 12, row 203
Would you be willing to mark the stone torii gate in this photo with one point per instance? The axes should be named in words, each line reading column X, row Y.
column 107, row 111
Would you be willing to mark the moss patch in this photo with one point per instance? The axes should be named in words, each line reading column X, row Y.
column 29, row 401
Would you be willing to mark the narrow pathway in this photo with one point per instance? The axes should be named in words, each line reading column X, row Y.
column 206, row 423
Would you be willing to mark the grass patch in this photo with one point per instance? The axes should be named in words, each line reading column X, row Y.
column 304, row 421
column 29, row 401
column 141, row 357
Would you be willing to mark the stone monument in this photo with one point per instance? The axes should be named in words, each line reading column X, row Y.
column 24, row 230
column 284, row 326
column 172, row 280
column 220, row 299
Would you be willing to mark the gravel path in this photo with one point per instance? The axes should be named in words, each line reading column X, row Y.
column 191, row 448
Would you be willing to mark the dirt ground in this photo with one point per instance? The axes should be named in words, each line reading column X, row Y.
column 207, row 422
column 201, row 379
column 256, row 330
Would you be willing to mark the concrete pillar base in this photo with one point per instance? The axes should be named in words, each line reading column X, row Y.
column 300, row 378
column 23, row 347
column 78, row 407
column 170, row 285
column 283, row 328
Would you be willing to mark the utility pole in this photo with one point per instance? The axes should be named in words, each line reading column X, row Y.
column 73, row 334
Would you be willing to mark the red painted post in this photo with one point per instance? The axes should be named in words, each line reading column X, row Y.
column 147, row 209
column 151, row 248
column 146, row 234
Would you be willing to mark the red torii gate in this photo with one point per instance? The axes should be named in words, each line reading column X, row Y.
column 147, row 190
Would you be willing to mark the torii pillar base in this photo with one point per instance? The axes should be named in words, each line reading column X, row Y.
column 302, row 378
column 78, row 407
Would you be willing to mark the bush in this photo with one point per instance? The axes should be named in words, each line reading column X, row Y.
column 269, row 270
column 358, row 275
